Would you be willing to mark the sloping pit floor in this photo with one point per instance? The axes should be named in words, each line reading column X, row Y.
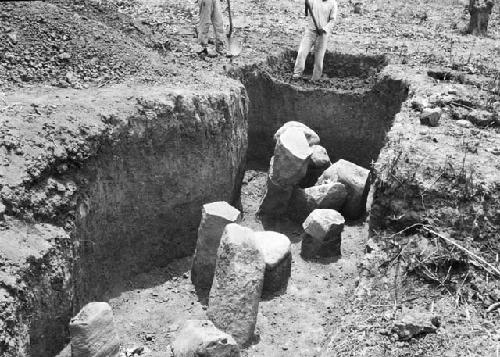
column 351, row 111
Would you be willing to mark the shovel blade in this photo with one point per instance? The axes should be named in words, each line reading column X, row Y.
column 234, row 46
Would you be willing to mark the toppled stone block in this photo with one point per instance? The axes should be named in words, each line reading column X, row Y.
column 415, row 324
column 356, row 180
column 214, row 218
column 431, row 117
column 311, row 136
column 323, row 233
column 319, row 162
column 202, row 338
column 331, row 195
column 276, row 249
column 481, row 118
column 93, row 332
column 275, row 201
column 237, row 287
column 291, row 158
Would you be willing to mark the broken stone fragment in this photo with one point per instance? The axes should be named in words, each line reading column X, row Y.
column 331, row 195
column 323, row 233
column 214, row 218
column 202, row 338
column 414, row 324
column 311, row 136
column 276, row 198
column 93, row 332
column 430, row 117
column 481, row 118
column 291, row 158
column 318, row 163
column 237, row 286
column 355, row 179
column 276, row 249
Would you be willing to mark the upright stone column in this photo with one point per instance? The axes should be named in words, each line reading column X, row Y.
column 93, row 333
column 237, row 287
column 214, row 218
column 287, row 167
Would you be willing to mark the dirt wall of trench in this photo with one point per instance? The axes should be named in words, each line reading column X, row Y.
column 109, row 184
column 142, row 206
column 352, row 124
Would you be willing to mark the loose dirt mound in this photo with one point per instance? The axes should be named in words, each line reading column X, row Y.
column 44, row 43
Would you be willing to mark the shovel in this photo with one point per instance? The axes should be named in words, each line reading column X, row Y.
column 233, row 44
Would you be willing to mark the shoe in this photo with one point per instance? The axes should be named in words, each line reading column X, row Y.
column 296, row 76
column 220, row 49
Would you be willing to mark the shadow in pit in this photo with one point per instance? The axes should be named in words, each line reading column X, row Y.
column 351, row 111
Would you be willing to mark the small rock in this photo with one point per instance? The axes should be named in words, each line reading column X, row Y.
column 311, row 136
column 323, row 229
column 419, row 103
column 430, row 117
column 464, row 123
column 239, row 275
column 355, row 179
column 481, row 118
column 12, row 37
column 276, row 250
column 414, row 324
column 319, row 162
column 319, row 157
column 65, row 56
column 202, row 338
column 214, row 218
column 291, row 158
column 93, row 333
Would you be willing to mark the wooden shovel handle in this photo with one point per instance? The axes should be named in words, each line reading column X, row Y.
column 230, row 18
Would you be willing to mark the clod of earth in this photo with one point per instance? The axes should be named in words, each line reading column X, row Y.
column 415, row 324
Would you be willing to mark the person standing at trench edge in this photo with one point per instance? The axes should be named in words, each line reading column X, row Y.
column 322, row 16
column 211, row 14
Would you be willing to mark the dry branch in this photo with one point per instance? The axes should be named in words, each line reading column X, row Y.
column 483, row 263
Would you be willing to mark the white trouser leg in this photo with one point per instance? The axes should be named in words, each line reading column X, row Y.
column 319, row 54
column 205, row 21
column 218, row 22
column 305, row 46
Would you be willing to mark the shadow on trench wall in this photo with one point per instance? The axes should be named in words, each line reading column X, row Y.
column 352, row 124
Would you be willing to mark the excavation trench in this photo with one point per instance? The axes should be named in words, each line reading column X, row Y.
column 140, row 196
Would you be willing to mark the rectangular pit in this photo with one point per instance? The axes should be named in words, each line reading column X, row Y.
column 351, row 110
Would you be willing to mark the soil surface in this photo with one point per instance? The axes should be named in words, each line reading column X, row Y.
column 296, row 323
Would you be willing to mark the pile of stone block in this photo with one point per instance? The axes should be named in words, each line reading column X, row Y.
column 302, row 178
